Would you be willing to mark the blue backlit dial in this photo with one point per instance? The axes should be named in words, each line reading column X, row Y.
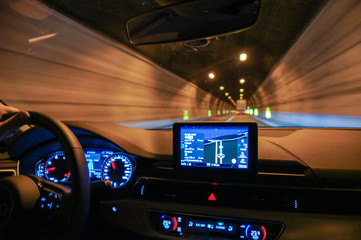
column 118, row 169
column 53, row 167
column 255, row 232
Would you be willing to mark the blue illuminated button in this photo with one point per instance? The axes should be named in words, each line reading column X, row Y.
column 211, row 226
column 242, row 231
column 167, row 224
column 50, row 202
column 254, row 232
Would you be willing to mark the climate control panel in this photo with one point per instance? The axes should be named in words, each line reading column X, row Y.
column 186, row 225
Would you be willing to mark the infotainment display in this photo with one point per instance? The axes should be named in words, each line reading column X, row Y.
column 215, row 147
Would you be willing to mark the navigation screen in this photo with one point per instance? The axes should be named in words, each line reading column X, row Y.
column 214, row 146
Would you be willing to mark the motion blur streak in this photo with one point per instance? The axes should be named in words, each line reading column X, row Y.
column 312, row 120
column 77, row 74
column 320, row 74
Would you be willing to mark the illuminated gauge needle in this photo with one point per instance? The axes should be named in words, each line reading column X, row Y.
column 49, row 169
column 113, row 165
column 67, row 174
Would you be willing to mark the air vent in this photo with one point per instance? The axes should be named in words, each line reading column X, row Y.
column 282, row 168
column 7, row 173
column 253, row 196
column 8, row 168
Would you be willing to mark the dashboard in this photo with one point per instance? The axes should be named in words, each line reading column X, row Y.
column 103, row 164
column 306, row 179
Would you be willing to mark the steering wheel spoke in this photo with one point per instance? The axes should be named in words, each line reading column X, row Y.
column 55, row 199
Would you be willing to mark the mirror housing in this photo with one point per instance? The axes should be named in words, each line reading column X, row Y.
column 192, row 20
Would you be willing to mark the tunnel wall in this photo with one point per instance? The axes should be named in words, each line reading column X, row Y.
column 321, row 73
column 74, row 73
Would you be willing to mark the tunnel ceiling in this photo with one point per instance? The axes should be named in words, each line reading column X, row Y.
column 279, row 25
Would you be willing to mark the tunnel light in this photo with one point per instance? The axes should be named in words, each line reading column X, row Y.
column 247, row 111
column 185, row 115
column 209, row 113
column 219, row 112
column 241, row 81
column 226, row 94
column 255, row 112
column 243, row 57
column 211, row 75
column 241, row 90
column 251, row 111
column 221, row 88
column 241, row 97
column 268, row 113
column 44, row 37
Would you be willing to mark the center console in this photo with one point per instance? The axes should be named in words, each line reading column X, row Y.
column 216, row 153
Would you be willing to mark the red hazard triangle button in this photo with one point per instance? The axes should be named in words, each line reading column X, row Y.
column 212, row 197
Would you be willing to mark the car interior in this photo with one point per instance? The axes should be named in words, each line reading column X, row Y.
column 172, row 119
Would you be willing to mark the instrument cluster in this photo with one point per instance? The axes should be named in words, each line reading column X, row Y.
column 103, row 164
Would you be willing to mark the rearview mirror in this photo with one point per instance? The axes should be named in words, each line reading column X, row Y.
column 192, row 20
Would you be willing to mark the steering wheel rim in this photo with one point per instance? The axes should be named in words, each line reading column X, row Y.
column 78, row 168
column 78, row 203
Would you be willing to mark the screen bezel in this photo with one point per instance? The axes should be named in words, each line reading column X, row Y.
column 217, row 174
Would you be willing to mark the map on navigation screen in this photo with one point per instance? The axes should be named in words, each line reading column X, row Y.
column 214, row 146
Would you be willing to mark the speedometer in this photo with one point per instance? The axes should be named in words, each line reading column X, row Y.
column 118, row 169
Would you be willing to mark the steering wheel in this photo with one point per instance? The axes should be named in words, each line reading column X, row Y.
column 57, row 210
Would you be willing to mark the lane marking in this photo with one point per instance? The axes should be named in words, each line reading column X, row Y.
column 230, row 119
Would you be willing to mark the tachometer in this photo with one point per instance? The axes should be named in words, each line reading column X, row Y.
column 53, row 168
column 118, row 169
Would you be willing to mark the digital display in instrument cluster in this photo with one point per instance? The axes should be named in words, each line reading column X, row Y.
column 95, row 158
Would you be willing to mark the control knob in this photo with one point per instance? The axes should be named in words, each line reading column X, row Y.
column 168, row 223
column 255, row 232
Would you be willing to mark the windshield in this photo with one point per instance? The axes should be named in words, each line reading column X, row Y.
column 299, row 65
